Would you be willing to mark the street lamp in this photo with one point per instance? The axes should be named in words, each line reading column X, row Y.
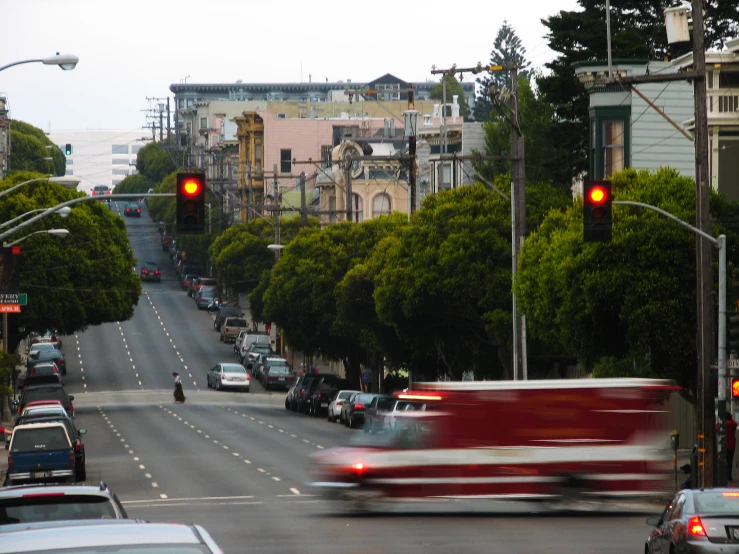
column 64, row 212
column 65, row 61
column 61, row 233
column 276, row 248
column 65, row 180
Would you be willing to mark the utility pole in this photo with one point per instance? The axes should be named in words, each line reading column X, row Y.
column 303, row 203
column 169, row 126
column 276, row 200
column 412, row 121
column 161, row 126
column 250, row 204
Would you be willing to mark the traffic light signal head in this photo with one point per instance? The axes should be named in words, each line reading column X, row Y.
column 735, row 388
column 68, row 149
column 597, row 211
column 190, row 203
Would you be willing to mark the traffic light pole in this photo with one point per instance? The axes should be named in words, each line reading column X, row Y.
column 720, row 469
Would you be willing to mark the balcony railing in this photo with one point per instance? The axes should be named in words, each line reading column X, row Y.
column 723, row 103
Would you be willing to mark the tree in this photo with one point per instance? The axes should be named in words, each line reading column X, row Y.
column 29, row 148
column 133, row 183
column 154, row 162
column 452, row 88
column 625, row 307
column 507, row 51
column 85, row 280
column 637, row 31
column 536, row 120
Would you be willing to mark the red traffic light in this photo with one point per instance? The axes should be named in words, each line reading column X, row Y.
column 15, row 250
column 598, row 195
column 191, row 187
column 735, row 388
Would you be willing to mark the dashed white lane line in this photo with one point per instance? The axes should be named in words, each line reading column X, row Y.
column 276, row 478
column 296, row 492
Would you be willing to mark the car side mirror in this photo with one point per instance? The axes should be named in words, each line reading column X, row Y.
column 654, row 521
column 81, row 432
column 71, row 397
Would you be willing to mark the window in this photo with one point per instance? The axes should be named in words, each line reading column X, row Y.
column 203, row 122
column 116, row 181
column 68, row 171
column 70, row 161
column 120, row 149
column 326, row 155
column 258, row 155
column 446, row 177
column 181, row 103
column 135, row 148
column 332, row 218
column 286, row 161
column 120, row 161
column 381, row 205
column 118, row 171
column 613, row 147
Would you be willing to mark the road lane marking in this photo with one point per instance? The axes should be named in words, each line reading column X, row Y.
column 188, row 499
column 276, row 478
column 155, row 484
column 296, row 492
column 141, row 466
column 147, row 475
column 260, row 470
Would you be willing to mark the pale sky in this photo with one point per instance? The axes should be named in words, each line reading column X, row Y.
column 133, row 49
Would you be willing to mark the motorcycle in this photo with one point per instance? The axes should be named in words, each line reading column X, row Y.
column 213, row 306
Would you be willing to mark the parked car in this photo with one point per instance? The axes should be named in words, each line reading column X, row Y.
column 379, row 414
column 251, row 355
column 276, row 374
column 189, row 267
column 49, row 393
column 38, row 347
column 110, row 536
column 357, row 406
column 55, row 356
column 224, row 312
column 304, row 394
column 334, row 407
column 167, row 243
column 187, row 279
column 40, row 452
column 202, row 282
column 231, row 328
column 328, row 385
column 697, row 520
column 47, row 336
column 132, row 209
column 151, row 271
column 205, row 298
column 249, row 337
column 228, row 376
column 75, row 435
column 291, row 400
column 28, row 504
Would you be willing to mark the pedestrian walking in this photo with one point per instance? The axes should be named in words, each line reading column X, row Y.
column 730, row 426
column 268, row 327
column 179, row 395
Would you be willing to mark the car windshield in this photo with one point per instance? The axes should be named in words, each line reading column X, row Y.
column 42, row 346
column 279, row 370
column 32, row 395
column 237, row 322
column 343, row 395
column 42, row 438
column 717, row 502
column 43, row 369
column 405, row 434
column 261, row 349
column 49, row 354
column 173, row 548
column 364, row 398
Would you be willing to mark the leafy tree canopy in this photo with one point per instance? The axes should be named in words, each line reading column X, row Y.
column 507, row 51
column 154, row 163
column 132, row 184
column 83, row 280
column 29, row 148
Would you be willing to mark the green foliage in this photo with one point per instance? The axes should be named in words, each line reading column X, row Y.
column 132, row 184
column 452, row 87
column 83, row 280
column 154, row 163
column 507, row 51
column 631, row 299
column 28, row 150
column 163, row 209
column 637, row 31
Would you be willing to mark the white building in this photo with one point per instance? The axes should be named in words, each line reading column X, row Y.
column 100, row 156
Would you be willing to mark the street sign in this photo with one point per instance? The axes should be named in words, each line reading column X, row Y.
column 732, row 364
column 10, row 308
column 10, row 298
column 23, row 299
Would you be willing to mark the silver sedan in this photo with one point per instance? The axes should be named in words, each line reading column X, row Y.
column 228, row 376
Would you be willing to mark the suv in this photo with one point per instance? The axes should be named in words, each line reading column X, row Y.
column 46, row 392
column 303, row 393
column 75, row 435
column 291, row 400
column 100, row 190
column 251, row 355
column 150, row 272
column 30, row 504
column 224, row 312
column 326, row 388
column 247, row 337
column 54, row 355
column 40, row 452
column 231, row 328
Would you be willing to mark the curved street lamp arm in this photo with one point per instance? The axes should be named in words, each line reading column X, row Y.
column 19, row 185
column 3, row 225
column 9, row 244
column 54, row 209
column 18, row 63
column 668, row 215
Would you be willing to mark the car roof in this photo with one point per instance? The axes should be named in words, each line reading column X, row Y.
column 45, row 409
column 106, row 534
column 38, row 425
column 275, row 359
column 47, row 344
column 231, row 364
column 50, row 386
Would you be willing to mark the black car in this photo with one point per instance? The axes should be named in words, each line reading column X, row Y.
column 224, row 312
column 132, row 209
column 327, row 386
column 357, row 407
column 305, row 393
column 291, row 400
column 75, row 435
column 46, row 392
column 55, row 356
column 150, row 271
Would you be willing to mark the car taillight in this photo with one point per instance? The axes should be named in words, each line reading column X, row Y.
column 300, row 392
column 107, row 192
column 71, row 410
column 359, row 406
column 145, row 272
column 71, row 459
column 157, row 272
column 339, row 402
column 318, row 395
column 139, row 210
column 77, row 446
column 11, row 463
column 695, row 527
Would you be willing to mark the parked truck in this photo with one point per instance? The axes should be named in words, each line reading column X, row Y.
column 40, row 452
column 231, row 328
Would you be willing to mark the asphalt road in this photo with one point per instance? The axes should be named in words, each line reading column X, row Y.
column 237, row 463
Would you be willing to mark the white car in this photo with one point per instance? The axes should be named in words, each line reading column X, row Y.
column 334, row 407
column 228, row 376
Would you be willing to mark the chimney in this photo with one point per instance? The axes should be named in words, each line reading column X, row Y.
column 386, row 129
column 392, row 127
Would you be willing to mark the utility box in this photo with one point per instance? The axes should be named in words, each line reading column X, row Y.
column 676, row 23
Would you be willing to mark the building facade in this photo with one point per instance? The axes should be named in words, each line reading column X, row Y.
column 100, row 156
